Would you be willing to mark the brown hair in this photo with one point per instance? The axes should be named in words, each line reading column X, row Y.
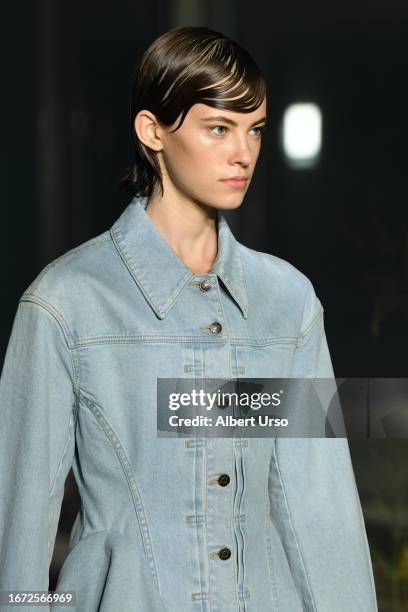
column 179, row 69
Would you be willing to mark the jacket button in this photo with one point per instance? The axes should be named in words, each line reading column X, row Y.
column 205, row 285
column 215, row 327
column 224, row 553
column 223, row 480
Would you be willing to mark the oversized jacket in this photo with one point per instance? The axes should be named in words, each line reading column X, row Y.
column 91, row 335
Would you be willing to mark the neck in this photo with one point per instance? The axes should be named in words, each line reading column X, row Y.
column 188, row 227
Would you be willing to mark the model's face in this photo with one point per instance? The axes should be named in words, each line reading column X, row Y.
column 212, row 145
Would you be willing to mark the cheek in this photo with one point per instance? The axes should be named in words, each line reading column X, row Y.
column 195, row 157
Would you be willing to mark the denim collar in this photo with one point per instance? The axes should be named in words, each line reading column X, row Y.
column 159, row 271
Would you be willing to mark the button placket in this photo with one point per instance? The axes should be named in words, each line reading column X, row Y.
column 220, row 536
column 205, row 285
column 220, row 462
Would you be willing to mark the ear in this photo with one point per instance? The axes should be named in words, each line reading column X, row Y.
column 148, row 130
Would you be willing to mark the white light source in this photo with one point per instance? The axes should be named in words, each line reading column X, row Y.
column 302, row 134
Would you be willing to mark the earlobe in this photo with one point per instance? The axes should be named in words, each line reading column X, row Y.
column 147, row 130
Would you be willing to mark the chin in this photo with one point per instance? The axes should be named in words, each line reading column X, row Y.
column 229, row 205
column 224, row 203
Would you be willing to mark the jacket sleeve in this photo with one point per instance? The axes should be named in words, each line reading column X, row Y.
column 36, row 443
column 314, row 502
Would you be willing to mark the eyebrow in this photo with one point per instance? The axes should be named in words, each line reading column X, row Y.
column 230, row 121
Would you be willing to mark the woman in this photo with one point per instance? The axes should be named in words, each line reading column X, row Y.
column 177, row 523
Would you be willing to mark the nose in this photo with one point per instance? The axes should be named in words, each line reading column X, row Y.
column 242, row 151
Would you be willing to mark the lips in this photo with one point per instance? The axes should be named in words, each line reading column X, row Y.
column 236, row 181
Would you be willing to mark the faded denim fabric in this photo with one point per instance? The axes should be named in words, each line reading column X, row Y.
column 91, row 335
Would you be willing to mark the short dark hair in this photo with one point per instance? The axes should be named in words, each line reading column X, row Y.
column 179, row 69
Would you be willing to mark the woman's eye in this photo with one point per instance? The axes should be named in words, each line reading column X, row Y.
column 260, row 129
column 216, row 127
column 222, row 127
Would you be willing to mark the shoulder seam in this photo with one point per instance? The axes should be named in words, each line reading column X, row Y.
column 310, row 326
column 36, row 299
column 58, row 317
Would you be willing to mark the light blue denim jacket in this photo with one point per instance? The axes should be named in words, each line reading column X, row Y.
column 91, row 335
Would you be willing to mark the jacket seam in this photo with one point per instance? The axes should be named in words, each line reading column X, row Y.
column 143, row 338
column 58, row 317
column 310, row 326
column 129, row 476
column 244, row 274
column 310, row 593
column 70, row 427
column 53, row 312
column 268, row 553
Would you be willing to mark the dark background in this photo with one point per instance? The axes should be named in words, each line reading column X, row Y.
column 66, row 75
